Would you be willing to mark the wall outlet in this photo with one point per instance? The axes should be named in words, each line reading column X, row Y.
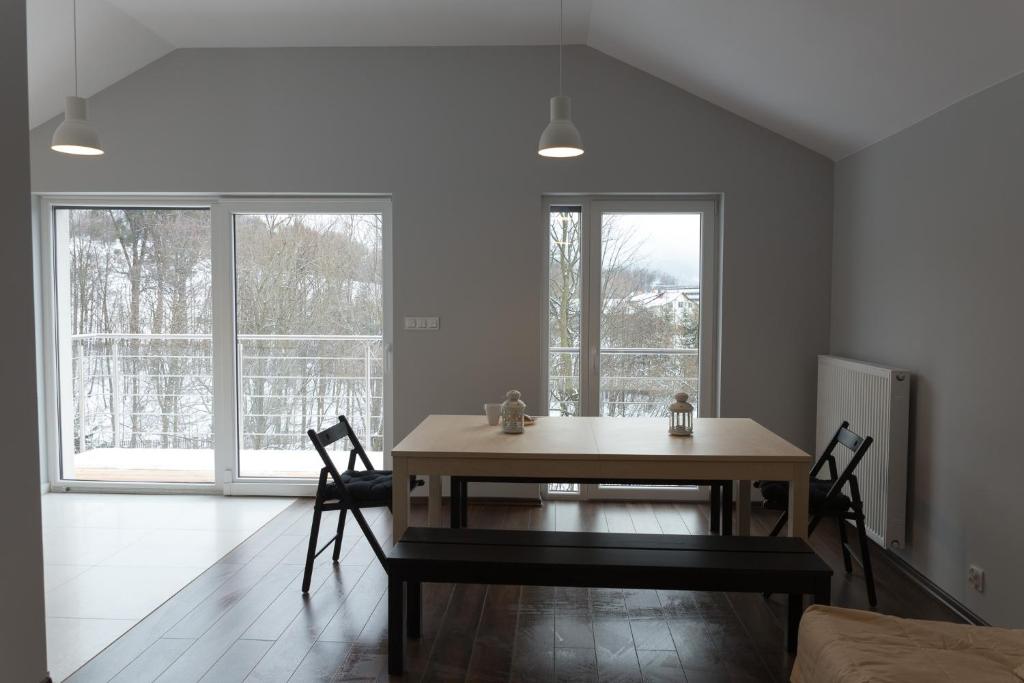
column 976, row 578
column 422, row 323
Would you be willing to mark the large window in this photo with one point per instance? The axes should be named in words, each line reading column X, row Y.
column 650, row 309
column 310, row 335
column 565, row 249
column 134, row 333
column 630, row 309
column 194, row 343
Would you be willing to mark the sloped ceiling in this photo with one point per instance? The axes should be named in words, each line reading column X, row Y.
column 833, row 75
column 111, row 45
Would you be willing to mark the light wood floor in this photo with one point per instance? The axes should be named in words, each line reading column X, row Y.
column 245, row 617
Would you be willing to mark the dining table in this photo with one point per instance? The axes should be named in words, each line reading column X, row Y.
column 595, row 448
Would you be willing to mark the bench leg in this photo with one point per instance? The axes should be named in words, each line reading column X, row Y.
column 716, row 507
column 794, row 611
column 453, row 502
column 823, row 596
column 463, row 504
column 727, row 508
column 396, row 630
column 414, row 608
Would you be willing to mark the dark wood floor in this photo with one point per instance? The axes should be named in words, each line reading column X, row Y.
column 245, row 617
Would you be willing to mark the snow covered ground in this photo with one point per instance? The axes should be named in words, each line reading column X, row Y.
column 195, row 465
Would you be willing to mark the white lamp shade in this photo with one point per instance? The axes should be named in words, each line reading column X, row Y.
column 560, row 138
column 75, row 135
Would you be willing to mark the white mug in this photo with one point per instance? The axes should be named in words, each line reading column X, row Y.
column 493, row 412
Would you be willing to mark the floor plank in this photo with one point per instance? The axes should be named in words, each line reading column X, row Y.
column 245, row 617
column 235, row 664
column 321, row 662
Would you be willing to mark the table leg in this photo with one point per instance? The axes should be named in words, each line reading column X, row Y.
column 799, row 502
column 743, row 508
column 399, row 498
column 434, row 501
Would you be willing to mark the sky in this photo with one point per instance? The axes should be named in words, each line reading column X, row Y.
column 666, row 242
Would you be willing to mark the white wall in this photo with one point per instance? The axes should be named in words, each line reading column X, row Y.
column 927, row 276
column 22, row 626
column 451, row 134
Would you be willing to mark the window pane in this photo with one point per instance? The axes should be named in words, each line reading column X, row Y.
column 134, row 325
column 310, row 346
column 564, row 263
column 650, row 311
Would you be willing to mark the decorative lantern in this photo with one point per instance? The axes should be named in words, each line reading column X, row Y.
column 681, row 416
column 513, row 412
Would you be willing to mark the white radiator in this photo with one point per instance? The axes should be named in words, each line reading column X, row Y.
column 875, row 400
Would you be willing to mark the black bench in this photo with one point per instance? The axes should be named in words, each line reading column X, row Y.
column 596, row 560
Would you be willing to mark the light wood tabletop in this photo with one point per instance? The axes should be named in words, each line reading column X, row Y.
column 739, row 449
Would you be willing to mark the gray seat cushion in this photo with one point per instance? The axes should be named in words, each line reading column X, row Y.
column 776, row 496
column 366, row 488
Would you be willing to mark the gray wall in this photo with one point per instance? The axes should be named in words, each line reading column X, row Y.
column 927, row 275
column 22, row 629
column 451, row 134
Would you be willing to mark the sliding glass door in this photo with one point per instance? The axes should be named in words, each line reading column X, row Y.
column 310, row 335
column 193, row 343
column 133, row 319
column 630, row 313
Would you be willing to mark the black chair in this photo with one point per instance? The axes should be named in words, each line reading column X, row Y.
column 348, row 490
column 828, row 499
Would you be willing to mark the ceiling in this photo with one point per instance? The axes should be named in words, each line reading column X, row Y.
column 834, row 75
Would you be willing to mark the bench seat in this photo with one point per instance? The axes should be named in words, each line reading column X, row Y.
column 596, row 560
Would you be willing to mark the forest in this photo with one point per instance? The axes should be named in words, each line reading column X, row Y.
column 308, row 320
column 649, row 323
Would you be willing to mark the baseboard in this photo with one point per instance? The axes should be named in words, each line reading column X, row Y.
column 933, row 589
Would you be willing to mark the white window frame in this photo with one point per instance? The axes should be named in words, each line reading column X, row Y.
column 225, row 401
column 592, row 208
column 226, row 436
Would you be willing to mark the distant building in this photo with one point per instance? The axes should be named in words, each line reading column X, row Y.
column 681, row 298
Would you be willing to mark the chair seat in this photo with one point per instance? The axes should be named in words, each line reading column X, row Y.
column 368, row 488
column 776, row 496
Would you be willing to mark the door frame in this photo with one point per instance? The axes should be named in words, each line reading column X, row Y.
column 592, row 207
column 57, row 434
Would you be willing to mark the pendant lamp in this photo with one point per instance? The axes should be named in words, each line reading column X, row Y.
column 560, row 138
column 75, row 135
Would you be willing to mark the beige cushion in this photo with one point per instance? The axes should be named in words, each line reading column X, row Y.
column 851, row 646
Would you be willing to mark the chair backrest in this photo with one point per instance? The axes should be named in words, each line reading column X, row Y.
column 858, row 445
column 342, row 430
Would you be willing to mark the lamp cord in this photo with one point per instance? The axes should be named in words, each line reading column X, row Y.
column 74, row 30
column 561, row 39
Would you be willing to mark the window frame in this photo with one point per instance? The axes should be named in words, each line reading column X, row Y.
column 225, row 400
column 592, row 207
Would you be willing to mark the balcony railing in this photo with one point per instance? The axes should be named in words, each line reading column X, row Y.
column 636, row 382
column 156, row 390
column 633, row 381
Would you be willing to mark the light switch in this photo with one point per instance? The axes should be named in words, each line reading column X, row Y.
column 422, row 323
